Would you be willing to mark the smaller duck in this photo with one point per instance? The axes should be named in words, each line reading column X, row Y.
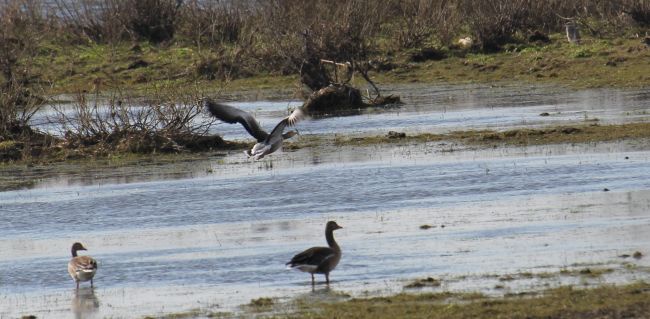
column 81, row 268
column 319, row 260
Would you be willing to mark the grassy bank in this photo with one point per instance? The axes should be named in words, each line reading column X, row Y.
column 612, row 62
column 615, row 62
column 629, row 301
column 133, row 49
column 109, row 45
column 137, row 67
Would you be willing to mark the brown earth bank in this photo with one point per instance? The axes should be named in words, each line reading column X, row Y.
column 581, row 133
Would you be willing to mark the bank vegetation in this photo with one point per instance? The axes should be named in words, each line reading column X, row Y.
column 145, row 58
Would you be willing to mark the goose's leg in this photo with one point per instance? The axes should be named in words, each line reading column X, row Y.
column 327, row 278
column 91, row 283
column 77, row 284
column 313, row 282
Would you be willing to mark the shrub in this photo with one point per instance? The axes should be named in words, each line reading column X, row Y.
column 20, row 26
column 419, row 21
column 152, row 20
column 213, row 24
column 165, row 122
column 288, row 32
column 116, row 20
column 639, row 10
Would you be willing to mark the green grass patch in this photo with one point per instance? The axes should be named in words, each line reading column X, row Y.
column 422, row 283
column 594, row 63
column 587, row 272
column 262, row 302
column 564, row 302
column 616, row 62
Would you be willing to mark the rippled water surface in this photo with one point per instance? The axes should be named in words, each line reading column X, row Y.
column 215, row 233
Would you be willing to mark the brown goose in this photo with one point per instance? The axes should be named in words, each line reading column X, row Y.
column 81, row 268
column 267, row 143
column 319, row 260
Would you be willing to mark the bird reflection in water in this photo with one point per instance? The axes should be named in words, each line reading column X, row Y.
column 84, row 303
column 321, row 292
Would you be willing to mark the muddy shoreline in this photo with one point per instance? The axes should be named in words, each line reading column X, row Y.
column 18, row 174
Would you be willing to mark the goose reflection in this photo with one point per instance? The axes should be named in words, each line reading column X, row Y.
column 84, row 302
column 324, row 293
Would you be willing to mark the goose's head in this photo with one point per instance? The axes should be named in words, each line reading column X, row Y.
column 332, row 226
column 78, row 246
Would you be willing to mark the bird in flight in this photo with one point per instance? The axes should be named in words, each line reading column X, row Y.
column 267, row 143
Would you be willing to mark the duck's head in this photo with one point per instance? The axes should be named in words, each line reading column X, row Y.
column 332, row 226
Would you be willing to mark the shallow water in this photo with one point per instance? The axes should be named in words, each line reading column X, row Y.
column 217, row 234
column 442, row 109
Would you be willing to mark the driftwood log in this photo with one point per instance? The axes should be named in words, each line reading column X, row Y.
column 339, row 96
column 329, row 81
column 343, row 99
column 334, row 99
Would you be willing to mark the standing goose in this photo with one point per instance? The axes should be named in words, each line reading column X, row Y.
column 81, row 268
column 319, row 260
column 266, row 143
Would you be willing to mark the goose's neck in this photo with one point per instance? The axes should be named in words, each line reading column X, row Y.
column 74, row 252
column 329, row 235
